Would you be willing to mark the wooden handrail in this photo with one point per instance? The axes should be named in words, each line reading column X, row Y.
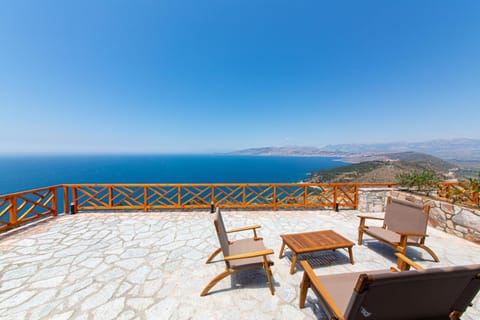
column 21, row 207
column 227, row 195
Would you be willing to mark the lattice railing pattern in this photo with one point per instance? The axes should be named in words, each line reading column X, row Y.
column 198, row 196
column 22, row 207
column 459, row 192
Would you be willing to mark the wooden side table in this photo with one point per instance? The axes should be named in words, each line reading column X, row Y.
column 314, row 241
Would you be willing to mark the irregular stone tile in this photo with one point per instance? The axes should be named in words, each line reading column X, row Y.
column 49, row 273
column 48, row 283
column 129, row 264
column 11, row 284
column 109, row 310
column 91, row 262
column 9, row 293
column 287, row 293
column 101, row 268
column 135, row 291
column 111, row 259
column 124, row 287
column 162, row 310
column 134, row 253
column 139, row 304
column 76, row 275
column 155, row 274
column 72, row 251
column 26, row 242
column 79, row 296
column 126, row 315
column 14, row 316
column 42, row 311
column 110, row 275
column 62, row 316
column 16, row 299
column 19, row 272
column 152, row 286
column 100, row 297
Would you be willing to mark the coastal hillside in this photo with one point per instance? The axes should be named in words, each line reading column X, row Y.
column 385, row 169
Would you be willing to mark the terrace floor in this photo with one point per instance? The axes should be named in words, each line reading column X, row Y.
column 152, row 266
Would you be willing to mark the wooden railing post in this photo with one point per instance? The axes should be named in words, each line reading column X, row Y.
column 75, row 199
column 179, row 196
column 244, row 197
column 55, row 201
column 212, row 195
column 13, row 210
column 110, row 197
column 305, row 195
column 274, row 197
column 145, row 199
column 356, row 196
column 334, row 197
column 65, row 199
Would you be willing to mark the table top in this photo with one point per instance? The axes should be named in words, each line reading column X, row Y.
column 315, row 241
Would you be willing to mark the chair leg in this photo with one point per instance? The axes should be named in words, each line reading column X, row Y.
column 454, row 315
column 269, row 275
column 213, row 255
column 360, row 236
column 304, row 285
column 430, row 251
column 281, row 250
column 215, row 280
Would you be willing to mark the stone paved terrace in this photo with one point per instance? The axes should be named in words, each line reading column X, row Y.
column 152, row 266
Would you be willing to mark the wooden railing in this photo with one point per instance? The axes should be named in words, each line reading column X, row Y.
column 199, row 196
column 22, row 207
column 459, row 192
column 19, row 208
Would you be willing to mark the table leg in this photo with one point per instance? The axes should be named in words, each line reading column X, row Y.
column 350, row 253
column 294, row 263
column 281, row 250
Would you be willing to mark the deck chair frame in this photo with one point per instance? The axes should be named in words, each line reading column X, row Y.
column 405, row 237
column 242, row 260
column 360, row 305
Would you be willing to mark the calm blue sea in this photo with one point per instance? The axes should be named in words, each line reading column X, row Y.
column 18, row 173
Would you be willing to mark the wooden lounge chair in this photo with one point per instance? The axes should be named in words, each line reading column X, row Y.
column 404, row 224
column 241, row 254
column 437, row 293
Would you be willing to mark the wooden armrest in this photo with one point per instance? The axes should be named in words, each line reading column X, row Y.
column 370, row 217
column 315, row 282
column 252, row 254
column 411, row 234
column 244, row 228
column 408, row 261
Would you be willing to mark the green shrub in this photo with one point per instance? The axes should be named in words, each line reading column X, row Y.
column 423, row 181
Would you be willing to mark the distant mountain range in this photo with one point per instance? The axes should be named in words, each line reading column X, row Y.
column 454, row 149
column 290, row 151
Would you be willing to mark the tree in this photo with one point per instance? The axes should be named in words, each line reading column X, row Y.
column 423, row 181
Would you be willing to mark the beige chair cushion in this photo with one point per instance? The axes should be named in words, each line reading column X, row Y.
column 246, row 246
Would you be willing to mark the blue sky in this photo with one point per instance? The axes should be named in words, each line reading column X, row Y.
column 208, row 76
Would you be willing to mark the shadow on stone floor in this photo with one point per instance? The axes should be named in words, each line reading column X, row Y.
column 246, row 279
column 387, row 252
column 320, row 258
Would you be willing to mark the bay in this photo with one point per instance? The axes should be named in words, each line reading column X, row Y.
column 19, row 173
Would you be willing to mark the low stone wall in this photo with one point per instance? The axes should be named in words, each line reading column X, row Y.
column 373, row 199
column 460, row 221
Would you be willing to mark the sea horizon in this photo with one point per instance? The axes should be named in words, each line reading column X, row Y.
column 22, row 172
